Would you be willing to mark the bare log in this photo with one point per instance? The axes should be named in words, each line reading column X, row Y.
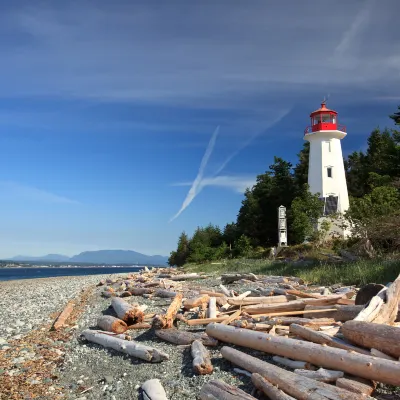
column 344, row 312
column 165, row 294
column 201, row 358
column 140, row 325
column 293, row 364
column 259, row 300
column 219, row 390
column 127, row 312
column 356, row 385
column 378, row 336
column 365, row 366
column 153, row 390
column 188, row 304
column 321, row 375
column 212, row 307
column 230, row 278
column 111, row 324
column 185, row 277
column 324, row 339
column 268, row 388
column 140, row 291
column 206, row 321
column 301, row 321
column 294, row 385
column 131, row 348
column 64, row 315
column 167, row 321
column 212, row 294
column 377, row 353
column 298, row 293
column 243, row 295
column 184, row 337
column 226, row 292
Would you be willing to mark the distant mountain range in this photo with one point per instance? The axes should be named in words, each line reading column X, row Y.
column 99, row 257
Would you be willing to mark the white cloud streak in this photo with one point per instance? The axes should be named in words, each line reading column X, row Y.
column 196, row 185
column 17, row 190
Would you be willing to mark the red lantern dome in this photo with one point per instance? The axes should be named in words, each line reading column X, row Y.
column 324, row 119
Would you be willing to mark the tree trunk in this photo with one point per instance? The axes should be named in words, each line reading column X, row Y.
column 188, row 304
column 184, row 337
column 219, row 390
column 130, row 314
column 167, row 321
column 153, row 390
column 297, row 386
column 361, row 365
column 321, row 375
column 259, row 300
column 272, row 392
column 201, row 358
column 378, row 336
column 212, row 308
column 324, row 339
column 111, row 324
column 131, row 348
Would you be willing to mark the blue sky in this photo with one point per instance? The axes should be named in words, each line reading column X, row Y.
column 107, row 109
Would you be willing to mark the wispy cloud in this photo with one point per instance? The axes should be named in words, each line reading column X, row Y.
column 237, row 183
column 16, row 190
column 194, row 190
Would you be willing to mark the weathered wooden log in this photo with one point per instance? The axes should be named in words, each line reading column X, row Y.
column 131, row 348
column 365, row 366
column 377, row 353
column 378, row 336
column 129, row 313
column 294, row 385
column 140, row 325
column 165, row 294
column 293, row 364
column 206, row 321
column 306, row 295
column 301, row 321
column 324, row 339
column 188, row 304
column 225, row 291
column 140, row 291
column 321, row 375
column 64, row 315
column 260, row 300
column 243, row 295
column 153, row 390
column 185, row 277
column 212, row 308
column 356, row 385
column 344, row 312
column 201, row 358
column 167, row 321
column 219, row 390
column 212, row 294
column 232, row 317
column 184, row 337
column 283, row 313
column 111, row 324
column 383, row 308
column 125, row 294
column 295, row 305
column 268, row 388
column 230, row 278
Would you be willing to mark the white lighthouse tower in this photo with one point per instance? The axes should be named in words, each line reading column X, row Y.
column 326, row 174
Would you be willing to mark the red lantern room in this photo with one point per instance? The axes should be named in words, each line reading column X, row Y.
column 324, row 119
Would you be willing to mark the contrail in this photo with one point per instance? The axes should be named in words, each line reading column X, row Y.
column 196, row 185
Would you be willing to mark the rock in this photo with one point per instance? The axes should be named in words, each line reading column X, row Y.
column 108, row 379
column 3, row 341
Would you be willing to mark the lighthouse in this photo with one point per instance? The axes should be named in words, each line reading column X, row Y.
column 326, row 174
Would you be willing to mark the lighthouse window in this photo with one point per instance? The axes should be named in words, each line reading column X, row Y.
column 329, row 172
column 317, row 120
column 326, row 117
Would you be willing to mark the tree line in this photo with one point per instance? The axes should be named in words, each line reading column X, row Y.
column 373, row 179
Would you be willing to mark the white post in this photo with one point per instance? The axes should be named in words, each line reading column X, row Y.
column 282, row 227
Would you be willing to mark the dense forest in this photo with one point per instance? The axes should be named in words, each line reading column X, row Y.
column 373, row 179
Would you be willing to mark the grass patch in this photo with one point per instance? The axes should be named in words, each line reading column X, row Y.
column 319, row 273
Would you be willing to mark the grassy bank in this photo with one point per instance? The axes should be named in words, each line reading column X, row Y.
column 320, row 273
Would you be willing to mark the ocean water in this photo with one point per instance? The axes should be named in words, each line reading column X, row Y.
column 8, row 274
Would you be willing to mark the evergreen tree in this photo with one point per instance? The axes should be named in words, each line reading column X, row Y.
column 301, row 168
column 396, row 116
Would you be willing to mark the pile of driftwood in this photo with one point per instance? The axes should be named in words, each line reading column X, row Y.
column 339, row 345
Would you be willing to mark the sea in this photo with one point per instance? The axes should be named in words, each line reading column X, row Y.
column 8, row 274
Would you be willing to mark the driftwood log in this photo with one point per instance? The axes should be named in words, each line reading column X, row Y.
column 201, row 358
column 188, row 304
column 140, row 325
column 184, row 337
column 321, row 375
column 301, row 321
column 206, row 321
column 129, row 313
column 219, row 390
column 356, row 385
column 64, row 315
column 293, row 364
column 324, row 339
column 299, row 387
column 167, row 321
column 259, row 300
column 212, row 308
column 378, row 336
column 225, row 291
column 268, row 388
column 365, row 366
column 165, row 294
column 140, row 291
column 230, row 278
column 377, row 353
column 153, row 390
column 212, row 294
column 344, row 312
column 185, row 277
column 131, row 348
column 111, row 324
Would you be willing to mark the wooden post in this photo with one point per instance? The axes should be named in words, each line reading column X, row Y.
column 212, row 308
column 368, row 367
